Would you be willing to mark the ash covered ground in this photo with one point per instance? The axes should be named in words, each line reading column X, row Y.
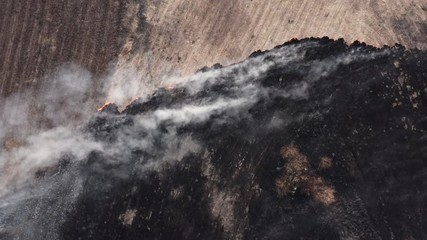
column 314, row 139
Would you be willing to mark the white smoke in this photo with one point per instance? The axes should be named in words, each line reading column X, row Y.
column 132, row 79
column 38, row 130
column 67, row 96
column 41, row 151
column 15, row 111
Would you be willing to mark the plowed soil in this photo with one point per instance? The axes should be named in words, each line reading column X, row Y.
column 183, row 35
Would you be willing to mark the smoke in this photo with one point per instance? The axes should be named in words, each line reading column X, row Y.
column 126, row 84
column 63, row 98
column 42, row 127
column 41, row 151
column 133, row 78
column 41, row 124
column 39, row 129
column 68, row 96
column 15, row 114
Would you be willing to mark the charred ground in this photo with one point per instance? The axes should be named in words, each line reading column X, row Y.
column 331, row 146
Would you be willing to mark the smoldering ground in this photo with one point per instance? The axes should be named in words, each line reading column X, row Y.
column 58, row 150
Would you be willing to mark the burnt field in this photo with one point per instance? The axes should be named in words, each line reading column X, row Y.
column 314, row 139
column 311, row 139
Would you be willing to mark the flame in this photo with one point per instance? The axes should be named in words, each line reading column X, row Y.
column 121, row 107
column 106, row 104
column 169, row 86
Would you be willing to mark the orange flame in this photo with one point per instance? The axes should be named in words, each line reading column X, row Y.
column 106, row 104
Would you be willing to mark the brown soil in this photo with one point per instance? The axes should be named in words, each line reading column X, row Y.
column 184, row 35
column 297, row 175
column 37, row 36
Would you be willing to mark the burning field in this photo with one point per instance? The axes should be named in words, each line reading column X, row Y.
column 314, row 139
